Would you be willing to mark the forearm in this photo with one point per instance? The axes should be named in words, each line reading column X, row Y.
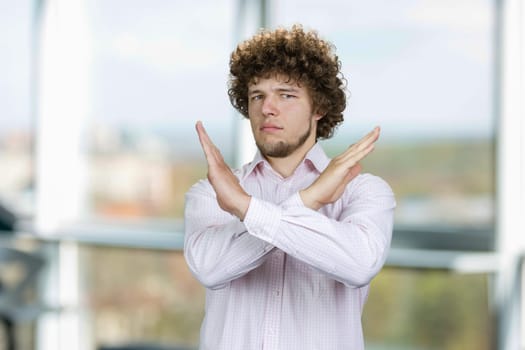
column 216, row 261
column 217, row 247
column 351, row 249
column 352, row 252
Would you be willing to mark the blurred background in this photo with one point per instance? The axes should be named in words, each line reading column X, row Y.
column 98, row 101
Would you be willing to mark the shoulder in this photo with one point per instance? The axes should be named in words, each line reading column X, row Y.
column 366, row 193
column 368, row 185
column 200, row 188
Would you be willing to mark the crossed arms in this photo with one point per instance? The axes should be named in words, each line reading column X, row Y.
column 351, row 248
column 325, row 190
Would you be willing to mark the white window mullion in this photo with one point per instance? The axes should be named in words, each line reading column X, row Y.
column 249, row 20
column 62, row 107
column 511, row 175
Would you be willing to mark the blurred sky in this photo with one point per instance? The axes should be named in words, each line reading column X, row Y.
column 419, row 68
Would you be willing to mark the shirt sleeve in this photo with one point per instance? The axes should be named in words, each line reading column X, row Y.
column 351, row 247
column 217, row 246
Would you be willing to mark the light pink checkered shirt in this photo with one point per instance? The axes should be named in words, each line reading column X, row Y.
column 288, row 277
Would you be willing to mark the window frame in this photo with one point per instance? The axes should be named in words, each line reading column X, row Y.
column 491, row 250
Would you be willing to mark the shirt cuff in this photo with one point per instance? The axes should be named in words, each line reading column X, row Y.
column 262, row 219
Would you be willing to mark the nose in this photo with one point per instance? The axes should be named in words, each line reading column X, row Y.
column 269, row 106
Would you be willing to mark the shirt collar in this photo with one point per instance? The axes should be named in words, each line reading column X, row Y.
column 315, row 156
column 250, row 167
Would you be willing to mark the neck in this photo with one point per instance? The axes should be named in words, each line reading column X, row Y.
column 285, row 166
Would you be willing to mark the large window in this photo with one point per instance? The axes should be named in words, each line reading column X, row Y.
column 141, row 73
column 141, row 296
column 158, row 67
column 16, row 124
column 429, row 309
column 424, row 71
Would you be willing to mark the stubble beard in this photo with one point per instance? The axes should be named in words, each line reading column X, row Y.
column 283, row 149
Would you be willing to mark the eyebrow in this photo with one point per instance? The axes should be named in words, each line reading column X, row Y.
column 278, row 89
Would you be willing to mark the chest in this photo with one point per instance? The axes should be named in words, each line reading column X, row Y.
column 269, row 186
column 273, row 189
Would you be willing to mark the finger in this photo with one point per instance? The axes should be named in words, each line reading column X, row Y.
column 356, row 169
column 363, row 144
column 206, row 144
column 212, row 153
column 369, row 138
column 352, row 173
column 204, row 139
column 361, row 154
column 352, row 159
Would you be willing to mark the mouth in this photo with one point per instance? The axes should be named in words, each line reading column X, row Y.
column 270, row 128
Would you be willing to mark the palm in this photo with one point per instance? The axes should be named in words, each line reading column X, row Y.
column 332, row 182
column 231, row 197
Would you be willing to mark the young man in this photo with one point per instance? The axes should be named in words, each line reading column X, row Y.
column 287, row 245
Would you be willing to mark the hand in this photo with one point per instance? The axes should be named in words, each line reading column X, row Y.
column 231, row 197
column 330, row 185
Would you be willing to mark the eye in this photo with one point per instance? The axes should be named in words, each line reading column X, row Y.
column 256, row 97
column 287, row 96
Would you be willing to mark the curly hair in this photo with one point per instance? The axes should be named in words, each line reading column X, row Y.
column 300, row 55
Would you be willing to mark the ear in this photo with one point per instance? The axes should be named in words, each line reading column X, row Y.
column 318, row 116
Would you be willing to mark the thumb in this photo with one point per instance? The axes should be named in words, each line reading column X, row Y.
column 352, row 173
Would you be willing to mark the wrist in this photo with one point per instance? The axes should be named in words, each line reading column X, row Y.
column 242, row 206
column 308, row 199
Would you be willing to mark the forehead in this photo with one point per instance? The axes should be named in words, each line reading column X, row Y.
column 275, row 79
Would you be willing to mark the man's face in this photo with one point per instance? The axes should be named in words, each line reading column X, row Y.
column 281, row 116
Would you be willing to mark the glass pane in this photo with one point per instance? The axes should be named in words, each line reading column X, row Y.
column 22, row 266
column 423, row 71
column 426, row 310
column 158, row 67
column 144, row 297
column 16, row 124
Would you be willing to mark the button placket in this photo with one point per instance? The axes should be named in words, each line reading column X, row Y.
column 272, row 322
column 273, row 306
